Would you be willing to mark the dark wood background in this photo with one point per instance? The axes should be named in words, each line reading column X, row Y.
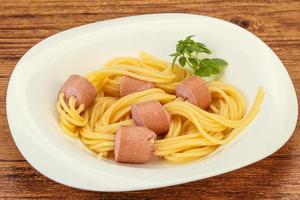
column 25, row 23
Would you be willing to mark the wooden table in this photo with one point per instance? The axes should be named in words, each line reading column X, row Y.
column 24, row 23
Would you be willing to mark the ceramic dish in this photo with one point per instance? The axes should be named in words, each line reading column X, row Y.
column 39, row 74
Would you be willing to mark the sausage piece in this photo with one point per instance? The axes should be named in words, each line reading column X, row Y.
column 152, row 115
column 130, row 85
column 79, row 87
column 195, row 90
column 134, row 144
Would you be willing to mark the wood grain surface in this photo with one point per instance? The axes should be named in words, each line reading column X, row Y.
column 24, row 23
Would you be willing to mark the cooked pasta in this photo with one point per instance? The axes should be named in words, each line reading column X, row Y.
column 193, row 134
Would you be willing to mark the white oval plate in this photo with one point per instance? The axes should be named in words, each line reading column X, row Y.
column 39, row 74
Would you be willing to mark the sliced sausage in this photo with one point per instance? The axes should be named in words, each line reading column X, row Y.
column 134, row 144
column 79, row 87
column 152, row 115
column 130, row 85
column 195, row 90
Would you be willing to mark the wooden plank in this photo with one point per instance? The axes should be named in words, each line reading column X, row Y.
column 24, row 23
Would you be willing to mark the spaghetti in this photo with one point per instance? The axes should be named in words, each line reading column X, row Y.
column 194, row 133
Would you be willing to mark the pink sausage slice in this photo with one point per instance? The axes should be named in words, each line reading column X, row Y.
column 134, row 144
column 81, row 89
column 152, row 115
column 195, row 90
column 130, row 85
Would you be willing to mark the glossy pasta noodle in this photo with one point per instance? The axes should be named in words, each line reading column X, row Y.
column 194, row 133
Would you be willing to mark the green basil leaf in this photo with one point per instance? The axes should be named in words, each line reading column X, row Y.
column 193, row 62
column 182, row 61
column 187, row 51
column 203, row 72
column 206, row 62
column 180, row 49
column 189, row 38
column 215, row 70
column 220, row 62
